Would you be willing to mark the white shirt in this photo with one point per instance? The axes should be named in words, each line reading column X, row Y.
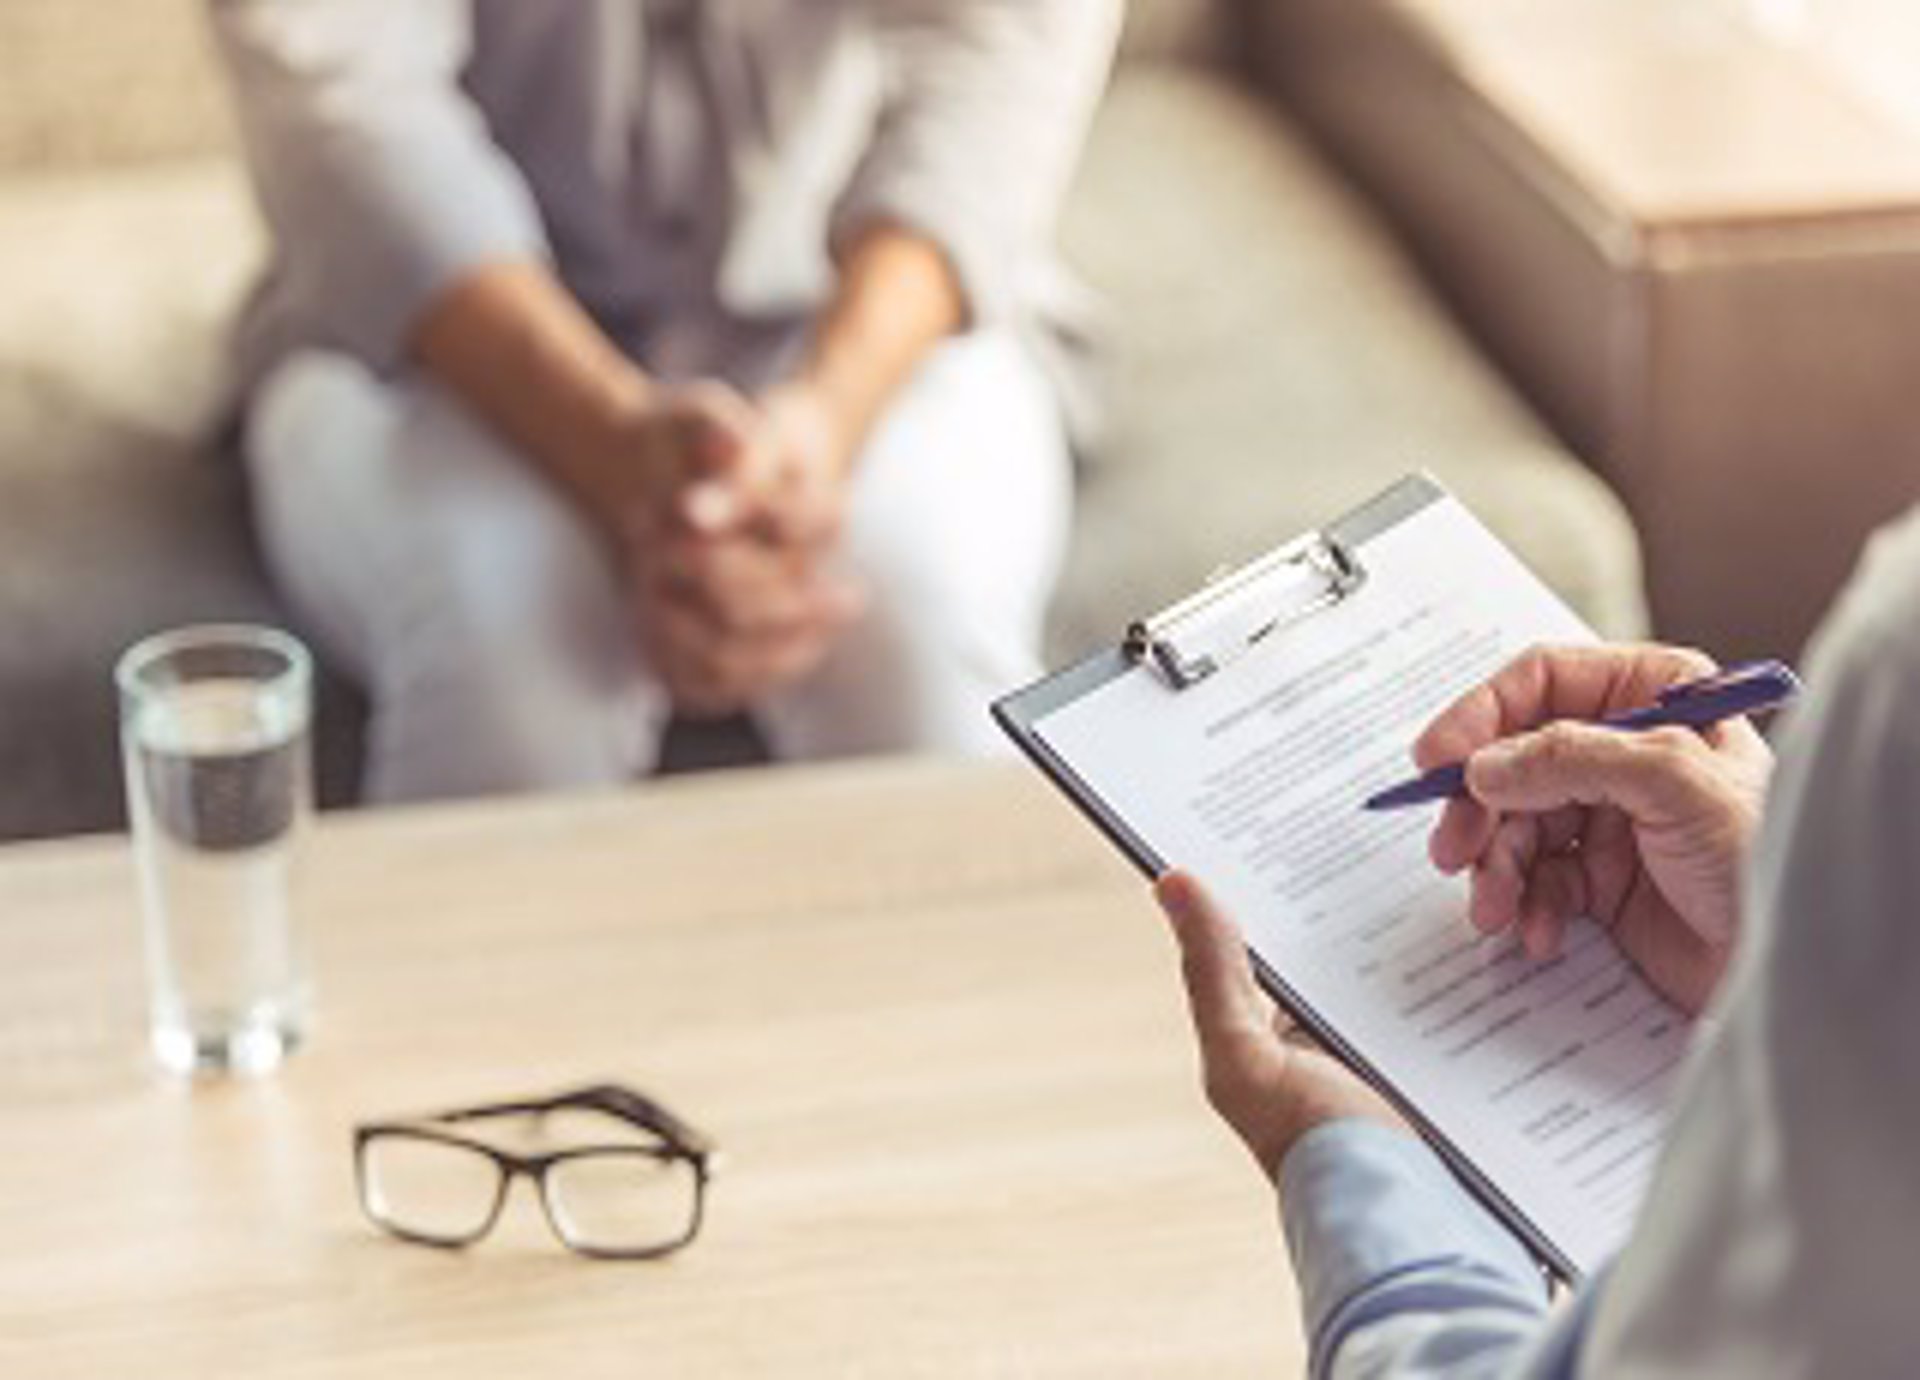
column 675, row 160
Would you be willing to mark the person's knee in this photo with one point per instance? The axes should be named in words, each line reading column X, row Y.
column 483, row 616
column 488, row 567
column 955, row 534
column 933, row 599
column 317, row 412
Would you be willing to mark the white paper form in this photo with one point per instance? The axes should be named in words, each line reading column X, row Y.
column 1551, row 1078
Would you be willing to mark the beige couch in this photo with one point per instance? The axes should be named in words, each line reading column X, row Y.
column 1274, row 359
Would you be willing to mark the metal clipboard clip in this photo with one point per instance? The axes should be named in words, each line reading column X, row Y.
column 1235, row 612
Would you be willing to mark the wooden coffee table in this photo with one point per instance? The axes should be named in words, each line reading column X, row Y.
column 933, row 1023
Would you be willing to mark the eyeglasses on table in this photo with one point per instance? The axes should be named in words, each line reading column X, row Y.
column 438, row 1180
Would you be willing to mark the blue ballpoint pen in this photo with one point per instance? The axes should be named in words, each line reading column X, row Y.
column 1745, row 689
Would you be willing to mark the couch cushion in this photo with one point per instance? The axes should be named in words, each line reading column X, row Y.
column 115, row 516
column 118, row 286
column 107, row 81
column 1276, row 360
column 112, row 361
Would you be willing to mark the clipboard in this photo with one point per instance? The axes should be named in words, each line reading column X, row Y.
column 1209, row 635
column 1212, row 628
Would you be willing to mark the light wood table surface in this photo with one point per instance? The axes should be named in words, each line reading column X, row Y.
column 933, row 1022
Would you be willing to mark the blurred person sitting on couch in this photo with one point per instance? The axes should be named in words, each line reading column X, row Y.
column 620, row 357
column 1785, row 1205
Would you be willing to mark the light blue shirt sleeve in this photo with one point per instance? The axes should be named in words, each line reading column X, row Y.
column 988, row 104
column 376, row 171
column 1402, row 1273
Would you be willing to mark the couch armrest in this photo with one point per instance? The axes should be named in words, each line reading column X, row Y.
column 1695, row 250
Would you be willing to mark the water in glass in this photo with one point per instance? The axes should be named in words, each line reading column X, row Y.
column 219, row 791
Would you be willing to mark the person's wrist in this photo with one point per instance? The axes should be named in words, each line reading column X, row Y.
column 823, row 422
column 1307, row 1116
column 614, row 408
column 1316, row 1090
column 1271, row 1149
column 605, row 427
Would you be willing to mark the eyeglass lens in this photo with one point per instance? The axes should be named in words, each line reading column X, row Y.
column 430, row 1188
column 626, row 1200
column 622, row 1201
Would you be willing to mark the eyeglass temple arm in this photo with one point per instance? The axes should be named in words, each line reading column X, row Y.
column 611, row 1098
column 622, row 1101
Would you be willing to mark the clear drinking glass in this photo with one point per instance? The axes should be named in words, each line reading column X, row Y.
column 214, row 725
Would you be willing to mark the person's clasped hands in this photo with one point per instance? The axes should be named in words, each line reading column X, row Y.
column 728, row 518
column 1646, row 833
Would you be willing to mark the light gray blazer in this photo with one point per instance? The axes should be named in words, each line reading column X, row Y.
column 671, row 158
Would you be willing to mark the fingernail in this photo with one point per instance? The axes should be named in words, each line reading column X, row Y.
column 1176, row 895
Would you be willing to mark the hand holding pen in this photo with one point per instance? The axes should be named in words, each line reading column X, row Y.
column 1587, row 794
column 1751, row 688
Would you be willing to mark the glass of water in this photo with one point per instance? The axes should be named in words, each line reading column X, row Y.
column 214, row 725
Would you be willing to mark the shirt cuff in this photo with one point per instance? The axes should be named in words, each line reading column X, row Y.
column 1377, row 1225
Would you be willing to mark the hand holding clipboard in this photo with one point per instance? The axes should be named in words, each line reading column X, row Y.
column 1236, row 731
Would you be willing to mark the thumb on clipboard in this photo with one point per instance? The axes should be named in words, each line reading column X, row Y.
column 1265, row 1078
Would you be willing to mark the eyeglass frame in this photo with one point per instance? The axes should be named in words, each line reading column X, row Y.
column 678, row 1143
